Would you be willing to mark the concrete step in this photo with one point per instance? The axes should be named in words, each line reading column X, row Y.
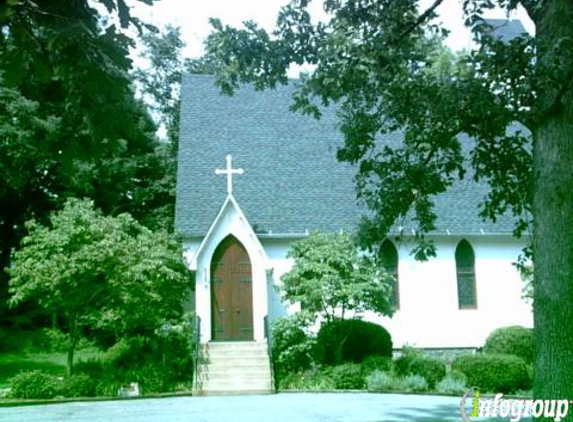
column 234, row 368
column 235, row 345
column 233, row 392
column 235, row 350
column 207, row 381
column 235, row 361
column 233, row 372
column 231, row 362
column 223, row 385
column 228, row 354
column 237, row 376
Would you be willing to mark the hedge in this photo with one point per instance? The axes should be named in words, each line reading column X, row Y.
column 494, row 373
column 514, row 340
column 351, row 340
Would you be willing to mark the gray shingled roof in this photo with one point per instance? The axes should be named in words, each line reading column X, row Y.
column 505, row 29
column 292, row 181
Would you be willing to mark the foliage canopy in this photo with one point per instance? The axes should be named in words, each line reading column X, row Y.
column 99, row 273
column 70, row 125
column 386, row 69
column 330, row 277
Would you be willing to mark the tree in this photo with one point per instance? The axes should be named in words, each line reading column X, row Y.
column 69, row 121
column 160, row 80
column 159, row 83
column 372, row 58
column 330, row 277
column 99, row 272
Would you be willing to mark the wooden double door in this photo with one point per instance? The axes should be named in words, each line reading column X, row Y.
column 231, row 292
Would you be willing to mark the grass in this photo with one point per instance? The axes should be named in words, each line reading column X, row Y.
column 54, row 363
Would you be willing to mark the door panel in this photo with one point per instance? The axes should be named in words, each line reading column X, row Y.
column 231, row 292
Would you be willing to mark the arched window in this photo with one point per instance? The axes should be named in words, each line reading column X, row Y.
column 466, row 276
column 389, row 260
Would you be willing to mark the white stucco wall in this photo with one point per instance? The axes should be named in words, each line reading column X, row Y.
column 428, row 316
column 277, row 250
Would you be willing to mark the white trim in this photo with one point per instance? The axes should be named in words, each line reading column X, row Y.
column 390, row 234
column 230, row 220
column 229, row 200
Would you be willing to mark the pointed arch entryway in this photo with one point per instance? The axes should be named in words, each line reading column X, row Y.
column 231, row 292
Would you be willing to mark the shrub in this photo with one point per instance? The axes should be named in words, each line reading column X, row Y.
column 384, row 381
column 403, row 363
column 105, row 380
column 351, row 340
column 347, row 376
column 291, row 346
column 513, row 340
column 107, row 386
column 414, row 383
column 128, row 352
column 175, row 347
column 376, row 363
column 34, row 385
column 308, row 380
column 413, row 362
column 381, row 381
column 79, row 385
column 494, row 373
column 159, row 362
column 453, row 383
column 103, row 376
column 151, row 378
column 432, row 369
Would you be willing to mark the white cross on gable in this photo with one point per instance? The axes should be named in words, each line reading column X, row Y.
column 229, row 171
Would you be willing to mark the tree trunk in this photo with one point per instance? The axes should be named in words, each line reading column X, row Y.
column 73, row 339
column 553, row 216
column 553, row 255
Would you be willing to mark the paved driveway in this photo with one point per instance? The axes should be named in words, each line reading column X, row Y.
column 286, row 407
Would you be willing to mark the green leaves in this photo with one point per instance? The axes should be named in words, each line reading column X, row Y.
column 70, row 125
column 24, row 134
column 330, row 277
column 107, row 271
column 160, row 81
column 384, row 67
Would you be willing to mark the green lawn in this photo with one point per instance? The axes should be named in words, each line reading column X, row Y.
column 53, row 363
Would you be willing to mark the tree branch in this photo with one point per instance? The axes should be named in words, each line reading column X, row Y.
column 530, row 8
column 421, row 19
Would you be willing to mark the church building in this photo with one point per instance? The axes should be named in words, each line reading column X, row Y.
column 254, row 177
